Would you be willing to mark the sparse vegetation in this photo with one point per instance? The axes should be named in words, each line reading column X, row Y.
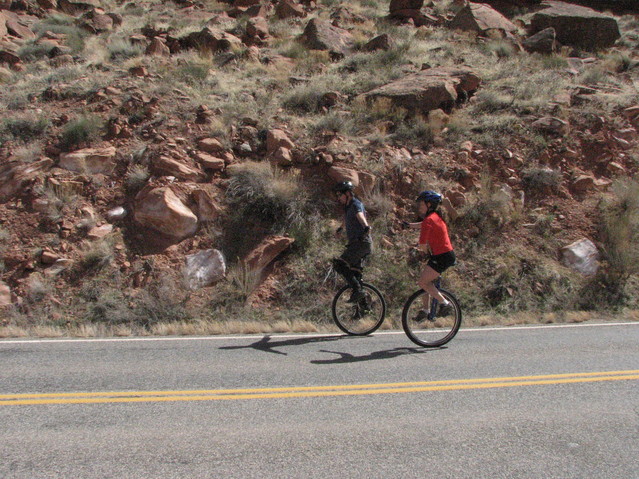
column 516, row 184
column 80, row 132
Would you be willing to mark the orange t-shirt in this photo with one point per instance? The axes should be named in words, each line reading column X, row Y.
column 435, row 232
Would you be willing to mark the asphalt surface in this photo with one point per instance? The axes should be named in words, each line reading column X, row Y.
column 374, row 407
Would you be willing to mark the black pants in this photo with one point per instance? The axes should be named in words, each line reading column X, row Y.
column 351, row 263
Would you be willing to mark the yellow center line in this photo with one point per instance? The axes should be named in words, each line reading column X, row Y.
column 313, row 391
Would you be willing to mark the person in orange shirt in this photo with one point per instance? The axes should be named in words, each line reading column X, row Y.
column 433, row 238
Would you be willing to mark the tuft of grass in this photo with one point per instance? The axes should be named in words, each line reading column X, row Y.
column 80, row 132
column 538, row 180
column 262, row 200
column 24, row 127
column 97, row 255
column 136, row 178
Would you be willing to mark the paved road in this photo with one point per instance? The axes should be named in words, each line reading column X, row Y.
column 560, row 402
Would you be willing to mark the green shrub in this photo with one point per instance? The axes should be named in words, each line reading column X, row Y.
column 262, row 200
column 122, row 49
column 97, row 255
column 304, row 99
column 541, row 180
column 81, row 132
column 24, row 127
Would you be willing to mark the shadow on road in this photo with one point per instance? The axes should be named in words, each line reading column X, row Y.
column 265, row 344
column 351, row 358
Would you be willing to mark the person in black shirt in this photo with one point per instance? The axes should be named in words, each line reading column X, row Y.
column 358, row 232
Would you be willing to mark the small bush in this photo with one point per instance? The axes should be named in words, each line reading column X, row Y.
column 122, row 49
column 24, row 127
column 262, row 200
column 136, row 178
column 81, row 132
column 97, row 255
column 541, row 180
column 304, row 99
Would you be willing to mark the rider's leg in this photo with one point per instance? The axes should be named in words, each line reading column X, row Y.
column 426, row 282
column 343, row 268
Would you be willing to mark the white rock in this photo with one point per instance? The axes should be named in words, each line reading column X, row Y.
column 582, row 256
column 204, row 268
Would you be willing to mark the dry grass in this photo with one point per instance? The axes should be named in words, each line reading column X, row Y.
column 217, row 328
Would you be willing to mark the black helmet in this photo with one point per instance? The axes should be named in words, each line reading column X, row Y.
column 430, row 196
column 343, row 187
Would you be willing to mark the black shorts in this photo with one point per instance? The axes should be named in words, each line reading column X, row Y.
column 355, row 254
column 441, row 262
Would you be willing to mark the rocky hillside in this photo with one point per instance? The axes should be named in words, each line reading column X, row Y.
column 169, row 162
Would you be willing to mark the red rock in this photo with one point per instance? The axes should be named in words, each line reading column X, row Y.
column 158, row 48
column 90, row 160
column 277, row 139
column 210, row 145
column 210, row 162
column 339, row 174
column 289, row 9
column 15, row 175
column 163, row 211
column 583, row 184
column 381, row 42
column 481, row 18
column 396, row 5
column 282, row 157
column 321, row 35
column 267, row 251
column 99, row 232
column 431, row 89
column 165, row 166
column 138, row 71
column 206, row 208
column 577, row 26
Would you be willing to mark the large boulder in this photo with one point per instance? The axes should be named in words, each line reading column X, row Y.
column 75, row 7
column 622, row 6
column 399, row 5
column 210, row 39
column 431, row 89
column 204, row 268
column 321, row 35
column 277, row 139
column 481, row 18
column 577, row 26
column 269, row 249
column 89, row 160
column 161, row 210
column 544, row 41
column 289, row 9
column 582, row 256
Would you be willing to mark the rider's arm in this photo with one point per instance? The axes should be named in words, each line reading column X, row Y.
column 361, row 217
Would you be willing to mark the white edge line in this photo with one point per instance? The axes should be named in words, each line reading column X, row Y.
column 291, row 336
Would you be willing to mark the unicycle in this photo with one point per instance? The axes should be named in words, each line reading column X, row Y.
column 362, row 317
column 439, row 327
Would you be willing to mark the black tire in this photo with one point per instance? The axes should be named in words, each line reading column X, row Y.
column 435, row 332
column 362, row 318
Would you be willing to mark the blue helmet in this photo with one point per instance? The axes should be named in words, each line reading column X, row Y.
column 430, row 196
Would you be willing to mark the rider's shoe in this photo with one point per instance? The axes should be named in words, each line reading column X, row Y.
column 423, row 315
column 356, row 296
